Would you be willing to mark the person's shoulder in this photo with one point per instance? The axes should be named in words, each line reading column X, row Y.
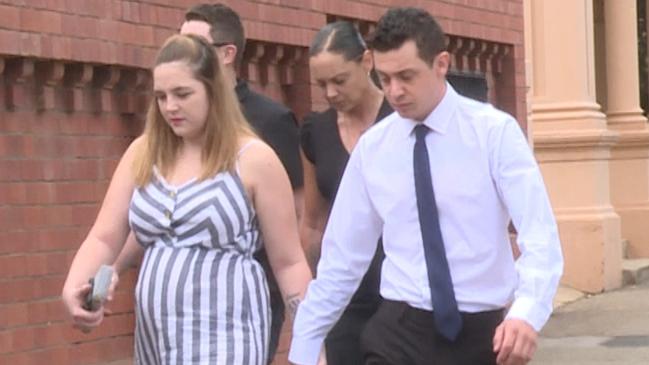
column 481, row 113
column 139, row 141
column 256, row 157
column 316, row 119
column 134, row 158
column 137, row 146
column 254, row 147
column 268, row 116
column 381, row 136
column 382, row 128
column 265, row 105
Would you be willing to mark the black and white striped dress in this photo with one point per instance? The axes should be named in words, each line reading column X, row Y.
column 201, row 298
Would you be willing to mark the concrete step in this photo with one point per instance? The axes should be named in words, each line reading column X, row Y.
column 566, row 295
column 635, row 271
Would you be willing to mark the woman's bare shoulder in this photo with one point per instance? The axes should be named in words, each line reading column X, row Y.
column 136, row 145
column 258, row 161
column 253, row 148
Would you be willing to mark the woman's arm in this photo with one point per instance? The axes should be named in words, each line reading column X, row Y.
column 130, row 255
column 103, row 242
column 270, row 191
column 314, row 218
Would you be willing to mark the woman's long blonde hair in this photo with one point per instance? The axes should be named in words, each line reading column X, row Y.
column 224, row 126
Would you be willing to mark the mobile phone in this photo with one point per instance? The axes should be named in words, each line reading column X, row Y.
column 99, row 288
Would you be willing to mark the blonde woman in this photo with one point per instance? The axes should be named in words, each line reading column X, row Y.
column 202, row 193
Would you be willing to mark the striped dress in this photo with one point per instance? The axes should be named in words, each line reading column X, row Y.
column 201, row 298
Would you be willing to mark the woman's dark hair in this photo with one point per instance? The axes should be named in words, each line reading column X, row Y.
column 341, row 38
column 399, row 25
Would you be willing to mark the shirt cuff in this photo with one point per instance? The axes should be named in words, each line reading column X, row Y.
column 530, row 311
column 304, row 351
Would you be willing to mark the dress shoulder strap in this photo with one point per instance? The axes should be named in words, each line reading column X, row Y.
column 242, row 150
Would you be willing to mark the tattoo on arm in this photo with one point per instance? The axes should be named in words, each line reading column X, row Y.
column 292, row 302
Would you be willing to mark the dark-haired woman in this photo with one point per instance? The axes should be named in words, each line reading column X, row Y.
column 340, row 64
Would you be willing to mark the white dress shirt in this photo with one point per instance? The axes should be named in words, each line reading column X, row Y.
column 483, row 173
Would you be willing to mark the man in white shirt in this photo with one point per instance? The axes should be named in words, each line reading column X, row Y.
column 454, row 294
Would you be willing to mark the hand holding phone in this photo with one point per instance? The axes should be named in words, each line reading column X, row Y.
column 99, row 286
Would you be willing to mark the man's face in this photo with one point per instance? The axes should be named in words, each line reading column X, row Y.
column 412, row 86
column 197, row 27
column 225, row 52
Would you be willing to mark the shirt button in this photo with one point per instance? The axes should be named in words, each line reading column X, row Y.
column 167, row 214
column 172, row 194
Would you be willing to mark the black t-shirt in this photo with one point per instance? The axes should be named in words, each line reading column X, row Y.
column 276, row 125
column 322, row 145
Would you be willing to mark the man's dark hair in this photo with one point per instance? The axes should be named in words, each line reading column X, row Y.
column 341, row 38
column 399, row 25
column 225, row 25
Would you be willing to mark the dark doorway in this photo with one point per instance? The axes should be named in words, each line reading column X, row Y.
column 472, row 85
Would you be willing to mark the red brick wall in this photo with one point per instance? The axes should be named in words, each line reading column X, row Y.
column 64, row 125
column 55, row 164
column 128, row 32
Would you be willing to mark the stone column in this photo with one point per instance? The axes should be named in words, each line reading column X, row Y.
column 630, row 156
column 572, row 142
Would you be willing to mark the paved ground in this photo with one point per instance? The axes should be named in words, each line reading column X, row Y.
column 605, row 329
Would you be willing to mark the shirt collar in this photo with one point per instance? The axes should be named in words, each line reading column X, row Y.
column 439, row 119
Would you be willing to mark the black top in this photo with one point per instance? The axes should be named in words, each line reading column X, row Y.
column 276, row 125
column 322, row 145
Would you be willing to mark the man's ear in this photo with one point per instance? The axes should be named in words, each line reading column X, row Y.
column 229, row 54
column 442, row 62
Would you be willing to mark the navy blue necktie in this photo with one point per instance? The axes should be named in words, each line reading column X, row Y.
column 445, row 311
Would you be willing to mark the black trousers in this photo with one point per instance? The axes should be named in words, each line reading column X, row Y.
column 343, row 341
column 399, row 334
